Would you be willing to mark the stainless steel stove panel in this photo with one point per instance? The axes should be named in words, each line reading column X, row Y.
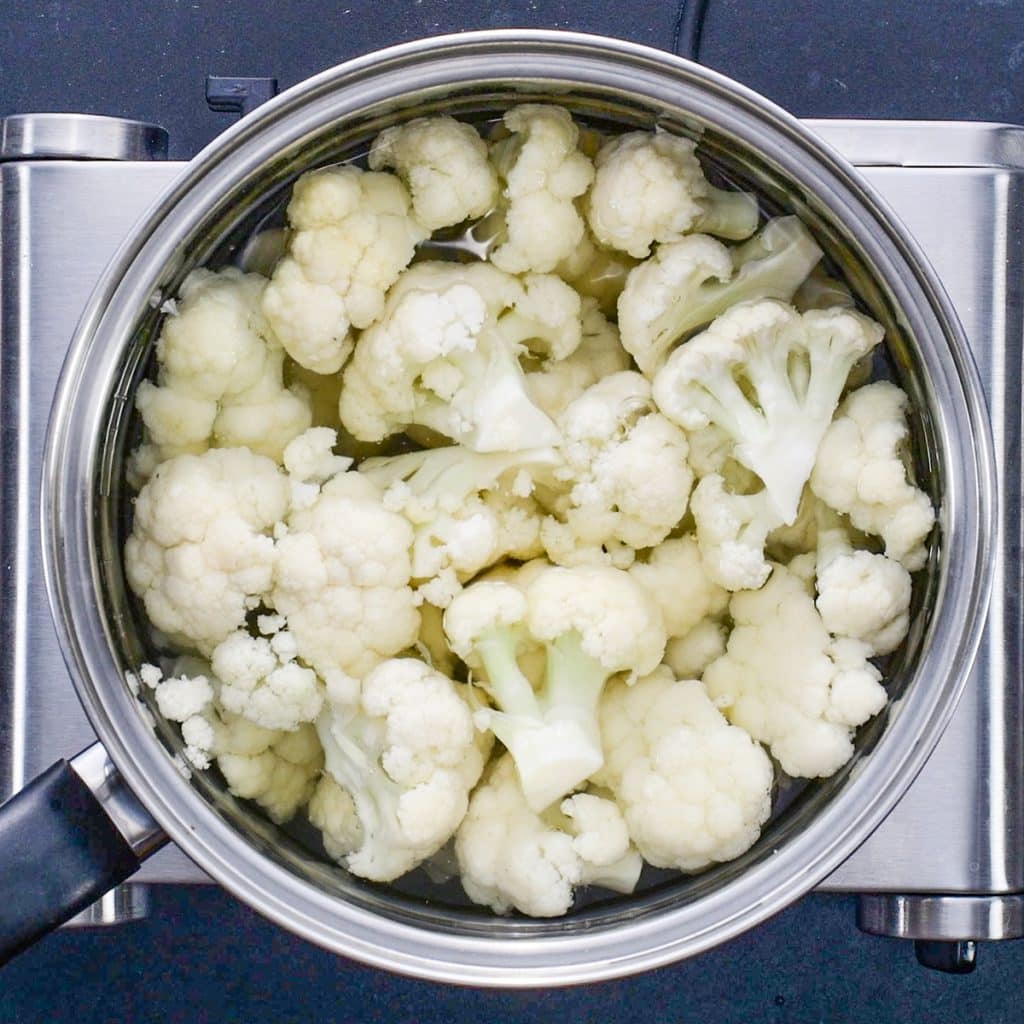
column 60, row 223
column 959, row 827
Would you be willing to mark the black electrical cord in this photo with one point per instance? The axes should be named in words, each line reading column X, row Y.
column 688, row 28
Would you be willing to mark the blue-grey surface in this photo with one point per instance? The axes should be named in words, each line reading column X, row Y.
column 203, row 957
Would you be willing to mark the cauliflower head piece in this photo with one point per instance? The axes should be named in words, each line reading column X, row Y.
column 788, row 683
column 649, row 187
column 407, row 755
column 592, row 622
column 553, row 384
column 469, row 510
column 341, row 579
column 221, row 376
column 445, row 356
column 511, row 857
column 862, row 471
column 353, row 234
column 626, row 469
column 771, row 378
column 543, row 172
column 687, row 284
column 861, row 594
column 200, row 554
column 443, row 163
column 694, row 790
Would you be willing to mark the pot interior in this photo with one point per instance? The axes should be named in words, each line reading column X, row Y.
column 256, row 204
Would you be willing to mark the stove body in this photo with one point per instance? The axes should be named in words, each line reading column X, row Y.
column 946, row 866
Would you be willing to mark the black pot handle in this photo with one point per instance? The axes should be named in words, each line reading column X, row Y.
column 68, row 837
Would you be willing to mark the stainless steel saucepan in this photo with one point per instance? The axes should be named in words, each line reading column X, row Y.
column 80, row 829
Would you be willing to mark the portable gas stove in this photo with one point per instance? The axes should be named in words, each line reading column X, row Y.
column 946, row 868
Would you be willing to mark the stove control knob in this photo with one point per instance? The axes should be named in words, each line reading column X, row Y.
column 79, row 137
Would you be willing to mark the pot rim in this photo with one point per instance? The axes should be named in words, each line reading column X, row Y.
column 68, row 522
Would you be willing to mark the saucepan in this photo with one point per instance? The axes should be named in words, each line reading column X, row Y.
column 83, row 827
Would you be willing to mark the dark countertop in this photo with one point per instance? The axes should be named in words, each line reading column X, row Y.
column 201, row 956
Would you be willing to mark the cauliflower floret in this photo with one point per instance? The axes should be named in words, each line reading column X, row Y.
column 267, row 417
column 731, row 533
column 686, row 284
column 332, row 810
column 674, row 576
column 341, row 578
column 771, row 378
column 469, row 510
column 310, row 456
column 180, row 697
column 511, row 857
column 277, row 770
column 261, row 685
column 221, row 377
column 627, row 469
column 445, row 357
column 555, row 383
column 788, row 683
column 443, row 163
column 862, row 471
column 688, row 656
column 650, row 187
column 694, row 789
column 353, row 235
column 408, row 756
column 200, row 555
column 593, row 622
column 861, row 595
column 543, row 171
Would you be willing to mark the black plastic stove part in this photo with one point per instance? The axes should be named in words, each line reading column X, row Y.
column 238, row 95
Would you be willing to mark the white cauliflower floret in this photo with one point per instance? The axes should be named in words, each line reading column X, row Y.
column 862, row 471
column 278, row 770
column 221, row 378
column 200, row 555
column 786, row 682
column 650, row 187
column 686, row 284
column 512, row 857
column 353, row 235
column 445, row 356
column 310, row 456
column 592, row 622
column 543, row 172
column 443, row 163
column 688, row 656
column 260, row 685
column 694, row 789
column 555, row 383
column 771, row 378
column 408, row 756
column 341, row 578
column 332, row 810
column 626, row 468
column 275, row 768
column 469, row 510
column 674, row 575
column 731, row 533
column 180, row 697
column 861, row 595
